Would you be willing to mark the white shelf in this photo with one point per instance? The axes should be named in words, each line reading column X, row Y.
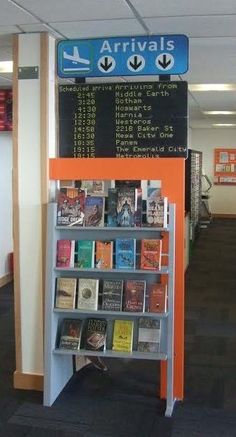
column 115, row 314
column 162, row 271
column 113, row 354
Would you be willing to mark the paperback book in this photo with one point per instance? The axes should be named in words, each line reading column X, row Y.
column 87, row 294
column 65, row 293
column 151, row 254
column 157, row 298
column 112, row 290
column 125, row 253
column 65, row 253
column 94, row 334
column 112, row 207
column 104, row 254
column 126, row 206
column 84, row 254
column 149, row 334
column 70, row 207
column 134, row 295
column 123, row 336
column 94, row 211
column 157, row 208
column 70, row 335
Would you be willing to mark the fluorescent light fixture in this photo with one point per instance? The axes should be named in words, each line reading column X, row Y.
column 219, row 112
column 223, row 124
column 212, row 87
column 6, row 66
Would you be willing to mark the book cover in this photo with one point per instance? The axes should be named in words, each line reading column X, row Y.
column 84, row 254
column 70, row 335
column 65, row 292
column 125, row 253
column 104, row 254
column 93, row 187
column 87, row 294
column 151, row 254
column 112, row 291
column 112, row 207
column 156, row 210
column 157, row 298
column 94, row 211
column 134, row 295
column 65, row 253
column 123, row 336
column 70, row 207
column 149, row 334
column 126, row 206
column 138, row 215
column 94, row 334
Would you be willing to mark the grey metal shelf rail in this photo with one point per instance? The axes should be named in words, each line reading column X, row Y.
column 58, row 364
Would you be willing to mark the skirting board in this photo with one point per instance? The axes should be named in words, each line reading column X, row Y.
column 229, row 216
column 28, row 381
column 6, row 279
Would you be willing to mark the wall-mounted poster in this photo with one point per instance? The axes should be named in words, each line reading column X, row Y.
column 5, row 110
column 225, row 167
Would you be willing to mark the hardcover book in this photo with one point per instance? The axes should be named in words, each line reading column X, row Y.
column 65, row 292
column 104, row 254
column 65, row 253
column 157, row 207
column 112, row 290
column 151, row 254
column 126, row 206
column 70, row 207
column 87, row 294
column 70, row 335
column 123, row 336
column 149, row 334
column 134, row 295
column 157, row 298
column 125, row 253
column 112, row 207
column 84, row 254
column 94, row 334
column 94, row 211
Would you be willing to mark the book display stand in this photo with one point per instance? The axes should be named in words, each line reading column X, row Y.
column 58, row 362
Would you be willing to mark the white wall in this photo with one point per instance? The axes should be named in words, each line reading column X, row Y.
column 222, row 198
column 6, row 239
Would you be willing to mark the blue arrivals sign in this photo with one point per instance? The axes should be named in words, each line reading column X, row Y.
column 124, row 56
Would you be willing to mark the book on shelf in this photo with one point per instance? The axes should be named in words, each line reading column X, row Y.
column 70, row 206
column 112, row 291
column 65, row 253
column 126, row 206
column 138, row 215
column 84, row 254
column 104, row 254
column 151, row 250
column 87, row 294
column 65, row 293
column 112, row 207
column 149, row 334
column 70, row 334
column 93, row 187
column 156, row 208
column 94, row 334
column 94, row 211
column 134, row 295
column 125, row 253
column 157, row 298
column 122, row 340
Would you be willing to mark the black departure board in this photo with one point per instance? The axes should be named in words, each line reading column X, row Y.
column 123, row 120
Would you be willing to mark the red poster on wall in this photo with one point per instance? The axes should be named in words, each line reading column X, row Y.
column 225, row 167
column 5, row 110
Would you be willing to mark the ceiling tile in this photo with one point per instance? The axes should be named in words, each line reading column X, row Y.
column 11, row 15
column 194, row 26
column 71, row 10
column 101, row 28
column 8, row 30
column 171, row 8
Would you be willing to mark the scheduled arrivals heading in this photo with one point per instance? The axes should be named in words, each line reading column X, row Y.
column 123, row 56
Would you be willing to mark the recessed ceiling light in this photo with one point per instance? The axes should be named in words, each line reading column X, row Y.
column 223, row 124
column 6, row 67
column 219, row 112
column 212, row 87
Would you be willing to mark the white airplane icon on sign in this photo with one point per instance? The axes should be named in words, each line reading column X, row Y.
column 76, row 59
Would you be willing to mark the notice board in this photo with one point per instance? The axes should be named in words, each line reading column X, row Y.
column 225, row 167
column 123, row 120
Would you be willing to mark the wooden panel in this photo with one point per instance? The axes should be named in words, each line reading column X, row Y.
column 28, row 381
